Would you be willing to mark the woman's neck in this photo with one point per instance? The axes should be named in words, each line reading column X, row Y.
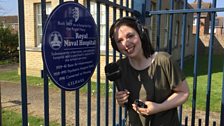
column 141, row 62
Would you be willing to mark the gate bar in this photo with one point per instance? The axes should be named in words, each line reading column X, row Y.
column 23, row 62
column 170, row 28
column 208, row 93
column 195, row 73
column 63, row 108
column 183, row 39
column 159, row 12
column 63, row 104
column 44, row 71
column 88, row 122
column 222, row 102
column 158, row 19
column 114, row 87
column 114, row 5
column 89, row 88
column 77, row 108
column 107, row 61
column 98, row 69
column 120, row 110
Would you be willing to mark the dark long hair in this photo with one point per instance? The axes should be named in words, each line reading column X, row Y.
column 136, row 25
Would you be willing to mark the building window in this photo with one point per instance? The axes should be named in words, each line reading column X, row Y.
column 195, row 21
column 93, row 11
column 152, row 26
column 166, row 31
column 210, row 30
column 38, row 22
column 176, row 34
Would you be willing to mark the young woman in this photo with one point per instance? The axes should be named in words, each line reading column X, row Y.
column 152, row 77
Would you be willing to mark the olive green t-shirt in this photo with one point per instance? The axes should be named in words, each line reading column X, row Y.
column 155, row 83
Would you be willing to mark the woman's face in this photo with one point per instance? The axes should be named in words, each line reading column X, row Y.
column 128, row 41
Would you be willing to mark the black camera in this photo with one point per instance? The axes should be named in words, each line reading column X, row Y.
column 140, row 103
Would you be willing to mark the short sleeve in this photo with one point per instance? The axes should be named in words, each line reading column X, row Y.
column 173, row 72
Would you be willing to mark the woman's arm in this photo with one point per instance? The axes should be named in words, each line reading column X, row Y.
column 180, row 95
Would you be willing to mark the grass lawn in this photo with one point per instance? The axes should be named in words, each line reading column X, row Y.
column 202, row 81
column 12, row 76
column 10, row 118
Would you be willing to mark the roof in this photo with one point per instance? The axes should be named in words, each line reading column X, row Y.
column 9, row 19
column 204, row 5
column 219, row 21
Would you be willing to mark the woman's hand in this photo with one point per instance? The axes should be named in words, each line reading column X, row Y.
column 151, row 109
column 122, row 97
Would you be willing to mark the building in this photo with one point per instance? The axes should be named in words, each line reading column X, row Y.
column 11, row 22
column 205, row 20
column 33, row 28
column 219, row 26
column 204, row 17
column 177, row 29
column 205, row 30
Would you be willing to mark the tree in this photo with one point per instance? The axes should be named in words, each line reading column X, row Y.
column 8, row 44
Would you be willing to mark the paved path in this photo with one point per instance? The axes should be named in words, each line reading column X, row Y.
column 11, row 99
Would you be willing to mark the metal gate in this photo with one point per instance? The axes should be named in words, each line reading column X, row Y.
column 117, row 9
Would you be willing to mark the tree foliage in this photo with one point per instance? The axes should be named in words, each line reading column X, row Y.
column 8, row 44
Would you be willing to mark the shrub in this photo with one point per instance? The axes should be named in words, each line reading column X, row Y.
column 8, row 44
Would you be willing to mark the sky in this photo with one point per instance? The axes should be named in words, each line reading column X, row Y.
column 10, row 7
column 219, row 4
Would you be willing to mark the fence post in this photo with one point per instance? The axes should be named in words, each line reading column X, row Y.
column 0, row 104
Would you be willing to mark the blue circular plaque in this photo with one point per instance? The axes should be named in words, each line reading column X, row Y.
column 70, row 46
